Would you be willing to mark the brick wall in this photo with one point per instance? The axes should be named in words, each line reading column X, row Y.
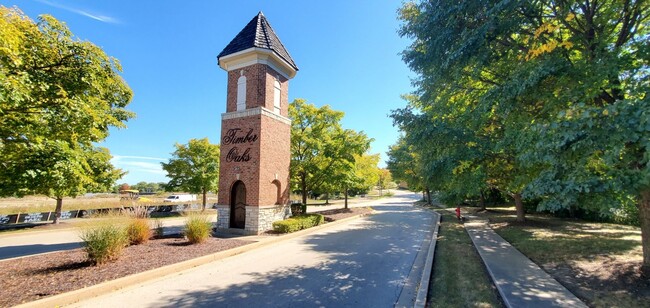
column 259, row 88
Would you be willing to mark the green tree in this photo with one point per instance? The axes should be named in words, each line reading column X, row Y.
column 194, row 167
column 366, row 172
column 384, row 180
column 405, row 165
column 57, row 170
column 321, row 150
column 58, row 97
column 559, row 88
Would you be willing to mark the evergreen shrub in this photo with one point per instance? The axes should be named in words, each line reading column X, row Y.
column 297, row 223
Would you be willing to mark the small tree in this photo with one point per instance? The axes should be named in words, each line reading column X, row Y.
column 194, row 167
column 384, row 181
column 320, row 148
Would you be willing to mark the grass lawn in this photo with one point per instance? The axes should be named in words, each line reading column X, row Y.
column 459, row 278
column 598, row 262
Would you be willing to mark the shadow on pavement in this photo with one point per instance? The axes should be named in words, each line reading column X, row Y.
column 366, row 266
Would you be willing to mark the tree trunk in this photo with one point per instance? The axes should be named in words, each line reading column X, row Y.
column 644, row 219
column 482, row 202
column 346, row 197
column 519, row 206
column 303, row 187
column 429, row 196
column 204, row 199
column 57, row 211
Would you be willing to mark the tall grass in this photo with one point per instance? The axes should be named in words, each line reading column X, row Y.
column 197, row 228
column 104, row 240
column 138, row 231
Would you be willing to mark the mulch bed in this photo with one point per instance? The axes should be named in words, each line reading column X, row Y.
column 34, row 277
column 333, row 215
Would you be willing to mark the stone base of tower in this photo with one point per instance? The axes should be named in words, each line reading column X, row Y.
column 259, row 219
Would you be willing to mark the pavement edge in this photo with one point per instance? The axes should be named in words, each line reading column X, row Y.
column 131, row 280
column 423, row 290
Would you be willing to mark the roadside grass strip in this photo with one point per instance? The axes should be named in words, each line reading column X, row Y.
column 459, row 277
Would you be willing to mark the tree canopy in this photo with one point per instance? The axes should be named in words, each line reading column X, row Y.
column 58, row 97
column 194, row 167
column 322, row 152
column 543, row 100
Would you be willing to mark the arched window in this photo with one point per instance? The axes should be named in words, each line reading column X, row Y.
column 241, row 92
column 276, row 96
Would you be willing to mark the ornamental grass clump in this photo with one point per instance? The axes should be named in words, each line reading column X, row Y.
column 104, row 241
column 138, row 231
column 158, row 228
column 197, row 228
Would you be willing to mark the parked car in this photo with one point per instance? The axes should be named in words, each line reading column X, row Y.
column 180, row 198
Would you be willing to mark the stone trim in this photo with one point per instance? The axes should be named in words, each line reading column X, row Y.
column 255, row 55
column 253, row 112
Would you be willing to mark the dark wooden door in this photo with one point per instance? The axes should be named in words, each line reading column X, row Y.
column 238, row 206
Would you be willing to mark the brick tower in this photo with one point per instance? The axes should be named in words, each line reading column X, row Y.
column 255, row 130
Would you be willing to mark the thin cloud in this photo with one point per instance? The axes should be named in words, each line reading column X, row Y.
column 102, row 18
column 138, row 157
column 136, row 164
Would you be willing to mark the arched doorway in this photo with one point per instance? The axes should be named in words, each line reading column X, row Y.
column 238, row 205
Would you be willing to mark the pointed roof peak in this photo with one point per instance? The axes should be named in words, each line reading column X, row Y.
column 258, row 33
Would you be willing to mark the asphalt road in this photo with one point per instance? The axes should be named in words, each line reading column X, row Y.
column 363, row 263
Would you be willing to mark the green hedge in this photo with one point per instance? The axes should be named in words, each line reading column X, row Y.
column 297, row 223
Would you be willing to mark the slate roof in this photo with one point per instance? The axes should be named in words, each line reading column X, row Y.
column 258, row 33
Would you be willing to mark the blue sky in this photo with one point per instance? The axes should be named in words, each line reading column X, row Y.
column 347, row 53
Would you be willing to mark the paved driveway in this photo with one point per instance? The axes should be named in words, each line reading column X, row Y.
column 364, row 263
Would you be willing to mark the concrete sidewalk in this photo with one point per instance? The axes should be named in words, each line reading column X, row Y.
column 520, row 282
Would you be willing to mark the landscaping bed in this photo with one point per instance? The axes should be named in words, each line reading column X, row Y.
column 34, row 277
column 337, row 214
column 31, row 278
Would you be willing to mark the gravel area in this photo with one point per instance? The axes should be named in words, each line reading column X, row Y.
column 31, row 278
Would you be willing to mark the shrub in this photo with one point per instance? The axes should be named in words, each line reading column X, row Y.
column 138, row 231
column 104, row 241
column 158, row 228
column 197, row 228
column 297, row 223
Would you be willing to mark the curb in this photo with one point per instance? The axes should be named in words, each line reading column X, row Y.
column 416, row 286
column 423, row 290
column 127, row 281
